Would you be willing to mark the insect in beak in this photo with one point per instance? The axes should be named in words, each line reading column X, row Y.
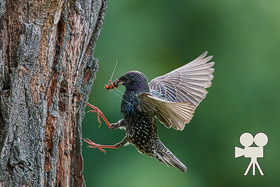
column 113, row 84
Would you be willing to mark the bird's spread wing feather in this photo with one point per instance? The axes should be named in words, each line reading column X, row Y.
column 175, row 95
column 171, row 114
column 187, row 83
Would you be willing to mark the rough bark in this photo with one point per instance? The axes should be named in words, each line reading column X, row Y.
column 47, row 69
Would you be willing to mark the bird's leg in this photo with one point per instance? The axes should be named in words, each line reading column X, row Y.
column 118, row 124
column 101, row 147
column 99, row 113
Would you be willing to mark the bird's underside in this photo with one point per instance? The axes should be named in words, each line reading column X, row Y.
column 141, row 132
column 172, row 98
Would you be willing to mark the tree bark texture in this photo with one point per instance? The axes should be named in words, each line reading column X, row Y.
column 47, row 69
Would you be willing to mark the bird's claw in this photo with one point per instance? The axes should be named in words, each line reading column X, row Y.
column 100, row 149
column 93, row 145
column 97, row 111
column 99, row 114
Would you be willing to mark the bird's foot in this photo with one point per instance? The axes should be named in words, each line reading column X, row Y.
column 98, row 146
column 99, row 113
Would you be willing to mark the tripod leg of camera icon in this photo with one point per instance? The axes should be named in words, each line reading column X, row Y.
column 247, row 139
column 253, row 164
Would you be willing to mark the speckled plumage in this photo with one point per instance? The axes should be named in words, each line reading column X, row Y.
column 172, row 98
column 141, row 127
column 142, row 131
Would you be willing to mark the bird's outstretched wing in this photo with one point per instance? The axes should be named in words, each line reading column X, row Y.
column 187, row 83
column 175, row 95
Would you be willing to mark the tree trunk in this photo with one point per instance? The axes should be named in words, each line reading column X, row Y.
column 46, row 72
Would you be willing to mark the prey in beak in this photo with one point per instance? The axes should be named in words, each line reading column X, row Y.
column 113, row 84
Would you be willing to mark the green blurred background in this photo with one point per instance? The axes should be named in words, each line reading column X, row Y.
column 157, row 36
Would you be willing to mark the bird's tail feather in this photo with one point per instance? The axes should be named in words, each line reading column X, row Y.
column 166, row 157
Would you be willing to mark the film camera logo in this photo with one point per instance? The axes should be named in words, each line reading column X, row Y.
column 247, row 139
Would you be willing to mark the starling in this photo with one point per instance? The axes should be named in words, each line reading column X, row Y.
column 172, row 98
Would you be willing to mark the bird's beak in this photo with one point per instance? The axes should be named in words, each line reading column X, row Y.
column 117, row 83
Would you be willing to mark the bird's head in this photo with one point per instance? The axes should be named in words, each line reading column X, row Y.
column 132, row 80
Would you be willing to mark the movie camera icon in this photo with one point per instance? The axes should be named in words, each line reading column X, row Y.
column 247, row 139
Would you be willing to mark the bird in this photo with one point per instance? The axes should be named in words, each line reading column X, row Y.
column 171, row 98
